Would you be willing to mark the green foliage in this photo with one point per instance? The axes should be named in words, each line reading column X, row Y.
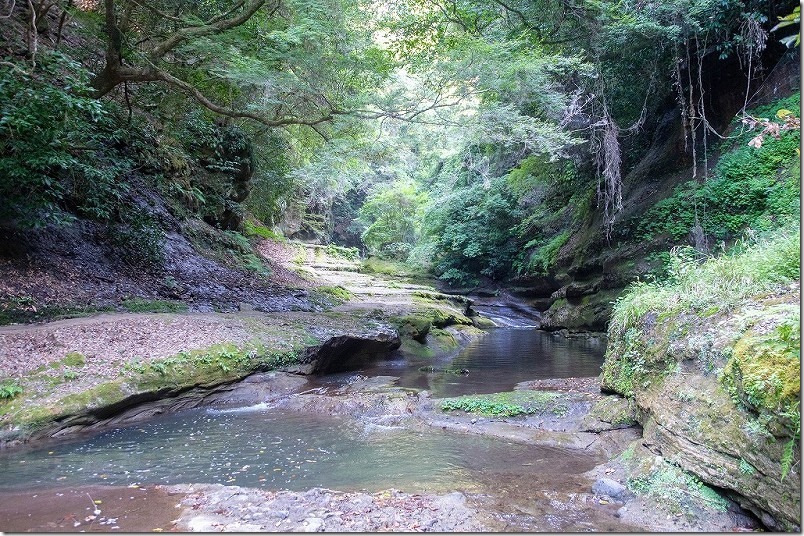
column 390, row 216
column 746, row 189
column 70, row 375
column 508, row 404
column 55, row 145
column 472, row 229
column 544, row 256
column 9, row 389
column 721, row 282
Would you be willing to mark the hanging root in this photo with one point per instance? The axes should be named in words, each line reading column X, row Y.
column 610, row 183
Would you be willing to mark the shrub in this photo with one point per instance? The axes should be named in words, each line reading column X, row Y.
column 55, row 153
column 9, row 389
column 755, row 188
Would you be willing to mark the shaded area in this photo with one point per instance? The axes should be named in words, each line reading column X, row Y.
column 497, row 362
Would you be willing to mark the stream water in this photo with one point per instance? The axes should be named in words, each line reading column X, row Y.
column 277, row 449
column 497, row 362
column 259, row 447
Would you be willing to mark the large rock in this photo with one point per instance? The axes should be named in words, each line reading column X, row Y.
column 684, row 372
column 348, row 352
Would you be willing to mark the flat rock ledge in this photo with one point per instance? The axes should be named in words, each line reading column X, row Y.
column 218, row 508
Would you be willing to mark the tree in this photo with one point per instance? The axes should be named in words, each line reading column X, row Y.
column 391, row 216
column 145, row 43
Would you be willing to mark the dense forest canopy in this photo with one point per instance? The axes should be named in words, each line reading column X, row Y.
column 470, row 138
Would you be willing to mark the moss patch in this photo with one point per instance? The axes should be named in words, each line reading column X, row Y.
column 216, row 364
column 764, row 372
column 74, row 359
column 508, row 404
column 414, row 326
column 142, row 305
column 676, row 490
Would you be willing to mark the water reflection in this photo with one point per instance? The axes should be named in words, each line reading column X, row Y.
column 498, row 361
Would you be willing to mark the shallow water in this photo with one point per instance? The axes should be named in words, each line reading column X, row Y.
column 274, row 449
column 498, row 361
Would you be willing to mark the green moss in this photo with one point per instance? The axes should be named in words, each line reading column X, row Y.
column 255, row 229
column 74, row 359
column 101, row 395
column 677, row 490
column 615, row 411
column 508, row 404
column 141, row 305
column 764, row 372
column 482, row 322
column 374, row 265
column 414, row 326
column 215, row 364
column 331, row 295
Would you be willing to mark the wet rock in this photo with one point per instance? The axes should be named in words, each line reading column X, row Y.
column 607, row 486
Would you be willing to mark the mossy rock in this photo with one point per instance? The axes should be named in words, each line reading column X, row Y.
column 764, row 373
column 610, row 413
column 413, row 326
column 481, row 322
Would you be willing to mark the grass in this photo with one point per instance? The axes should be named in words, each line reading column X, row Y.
column 720, row 283
column 508, row 404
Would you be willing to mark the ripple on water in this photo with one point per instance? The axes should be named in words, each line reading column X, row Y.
column 277, row 450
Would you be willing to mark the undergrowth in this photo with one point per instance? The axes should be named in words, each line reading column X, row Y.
column 753, row 268
column 750, row 187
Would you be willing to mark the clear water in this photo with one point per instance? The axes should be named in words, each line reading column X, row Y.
column 498, row 361
column 273, row 449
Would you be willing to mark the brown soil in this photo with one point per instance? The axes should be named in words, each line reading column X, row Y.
column 71, row 509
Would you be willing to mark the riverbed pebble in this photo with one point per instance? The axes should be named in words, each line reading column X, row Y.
column 215, row 508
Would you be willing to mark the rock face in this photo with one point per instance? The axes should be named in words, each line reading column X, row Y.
column 695, row 400
column 347, row 352
column 591, row 270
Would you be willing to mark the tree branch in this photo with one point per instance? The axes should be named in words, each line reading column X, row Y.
column 249, row 9
column 154, row 74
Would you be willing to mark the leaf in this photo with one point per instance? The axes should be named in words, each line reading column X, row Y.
column 782, row 113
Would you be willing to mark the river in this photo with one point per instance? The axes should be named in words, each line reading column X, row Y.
column 260, row 446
